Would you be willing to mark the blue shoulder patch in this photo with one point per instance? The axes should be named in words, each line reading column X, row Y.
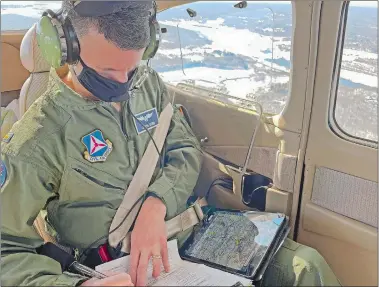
column 148, row 118
column 3, row 173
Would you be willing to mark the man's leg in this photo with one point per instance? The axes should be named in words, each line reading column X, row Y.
column 298, row 265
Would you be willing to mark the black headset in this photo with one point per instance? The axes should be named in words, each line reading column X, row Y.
column 59, row 43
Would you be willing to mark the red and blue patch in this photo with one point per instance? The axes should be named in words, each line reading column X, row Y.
column 98, row 148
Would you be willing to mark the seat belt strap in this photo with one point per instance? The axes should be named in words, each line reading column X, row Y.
column 183, row 221
column 39, row 225
column 121, row 223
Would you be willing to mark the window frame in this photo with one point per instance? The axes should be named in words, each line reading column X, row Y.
column 20, row 31
column 332, row 122
column 267, row 114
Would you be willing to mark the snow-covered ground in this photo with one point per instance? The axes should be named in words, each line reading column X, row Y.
column 32, row 9
column 246, row 43
column 239, row 87
column 229, row 39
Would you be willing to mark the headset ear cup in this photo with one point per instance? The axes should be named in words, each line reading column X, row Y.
column 155, row 34
column 72, row 42
column 48, row 41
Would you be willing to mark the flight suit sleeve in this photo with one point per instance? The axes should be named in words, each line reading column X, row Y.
column 183, row 158
column 26, row 188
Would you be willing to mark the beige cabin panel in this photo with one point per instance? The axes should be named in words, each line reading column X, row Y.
column 291, row 118
column 296, row 114
column 339, row 239
column 340, row 176
column 274, row 153
column 13, row 73
column 347, row 195
column 278, row 201
column 13, row 38
column 163, row 5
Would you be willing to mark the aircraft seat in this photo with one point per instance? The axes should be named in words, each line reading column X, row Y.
column 33, row 61
column 35, row 85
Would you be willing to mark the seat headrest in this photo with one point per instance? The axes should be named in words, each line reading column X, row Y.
column 30, row 53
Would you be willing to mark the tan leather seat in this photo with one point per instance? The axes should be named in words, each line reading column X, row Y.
column 35, row 85
column 32, row 60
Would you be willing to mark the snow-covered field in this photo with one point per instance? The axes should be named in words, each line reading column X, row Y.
column 229, row 39
column 239, row 87
column 247, row 43
column 32, row 9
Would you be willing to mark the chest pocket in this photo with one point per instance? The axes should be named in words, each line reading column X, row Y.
column 84, row 183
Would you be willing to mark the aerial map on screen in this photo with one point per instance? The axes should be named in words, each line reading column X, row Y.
column 235, row 240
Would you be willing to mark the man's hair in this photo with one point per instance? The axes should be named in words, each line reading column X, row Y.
column 127, row 28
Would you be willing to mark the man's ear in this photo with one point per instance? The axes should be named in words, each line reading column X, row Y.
column 63, row 71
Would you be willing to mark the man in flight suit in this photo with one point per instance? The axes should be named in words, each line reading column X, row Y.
column 74, row 152
column 76, row 149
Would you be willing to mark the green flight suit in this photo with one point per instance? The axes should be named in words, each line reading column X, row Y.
column 46, row 169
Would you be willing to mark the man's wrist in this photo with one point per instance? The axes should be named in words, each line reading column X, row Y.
column 152, row 194
column 156, row 203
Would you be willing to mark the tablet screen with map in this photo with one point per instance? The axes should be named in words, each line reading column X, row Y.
column 234, row 241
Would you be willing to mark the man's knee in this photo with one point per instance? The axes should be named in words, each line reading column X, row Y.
column 299, row 265
column 310, row 256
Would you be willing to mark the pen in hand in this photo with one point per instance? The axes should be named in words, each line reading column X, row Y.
column 86, row 271
column 67, row 261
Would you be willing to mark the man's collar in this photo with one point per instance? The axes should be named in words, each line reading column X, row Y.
column 67, row 97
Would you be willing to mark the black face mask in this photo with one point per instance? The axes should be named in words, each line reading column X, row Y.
column 105, row 89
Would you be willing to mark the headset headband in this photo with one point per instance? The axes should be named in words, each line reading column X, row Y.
column 57, row 38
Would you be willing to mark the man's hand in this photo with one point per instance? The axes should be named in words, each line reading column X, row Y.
column 149, row 239
column 113, row 279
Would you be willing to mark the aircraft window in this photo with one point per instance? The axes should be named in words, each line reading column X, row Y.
column 21, row 15
column 355, row 108
column 241, row 52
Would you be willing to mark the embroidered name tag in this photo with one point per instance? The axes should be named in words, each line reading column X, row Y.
column 148, row 118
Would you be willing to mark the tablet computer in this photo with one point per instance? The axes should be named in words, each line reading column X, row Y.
column 239, row 242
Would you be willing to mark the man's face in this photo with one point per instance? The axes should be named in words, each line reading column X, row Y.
column 106, row 58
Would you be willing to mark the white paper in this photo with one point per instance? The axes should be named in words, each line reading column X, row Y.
column 183, row 273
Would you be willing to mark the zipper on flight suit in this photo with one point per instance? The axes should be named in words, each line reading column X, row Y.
column 136, row 85
column 119, row 121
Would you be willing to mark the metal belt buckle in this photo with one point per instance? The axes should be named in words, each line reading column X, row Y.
column 198, row 210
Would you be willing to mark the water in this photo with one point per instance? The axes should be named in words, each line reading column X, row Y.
column 281, row 62
column 349, row 83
